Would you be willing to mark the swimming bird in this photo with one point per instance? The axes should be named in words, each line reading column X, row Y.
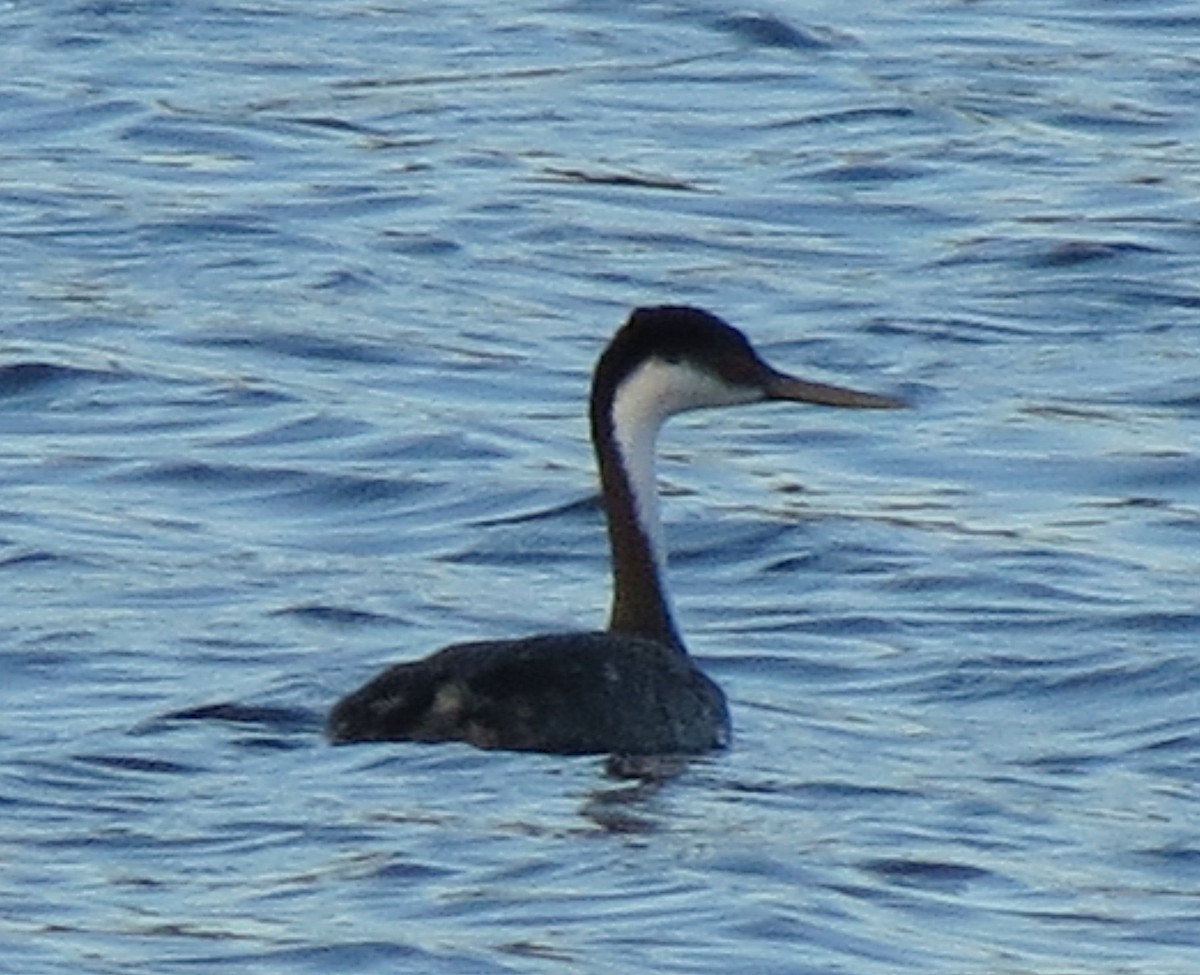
column 631, row 689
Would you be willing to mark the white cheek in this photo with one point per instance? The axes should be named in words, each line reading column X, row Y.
column 657, row 390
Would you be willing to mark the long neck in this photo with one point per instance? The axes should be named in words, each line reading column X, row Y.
column 625, row 454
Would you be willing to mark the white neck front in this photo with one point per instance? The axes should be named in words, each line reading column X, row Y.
column 637, row 417
column 652, row 393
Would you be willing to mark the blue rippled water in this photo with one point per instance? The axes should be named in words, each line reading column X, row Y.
column 300, row 302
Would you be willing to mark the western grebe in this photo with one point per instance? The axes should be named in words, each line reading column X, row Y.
column 633, row 688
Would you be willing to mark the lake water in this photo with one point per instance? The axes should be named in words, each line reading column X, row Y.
column 300, row 302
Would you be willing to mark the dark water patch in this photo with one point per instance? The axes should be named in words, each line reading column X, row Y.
column 868, row 173
column 331, row 123
column 1129, row 678
column 22, row 379
column 1182, row 393
column 1133, row 502
column 406, row 871
column 282, row 720
column 1162, row 472
column 419, row 244
column 435, row 448
column 65, row 788
column 349, row 203
column 845, row 116
column 204, row 399
column 1138, row 294
column 68, row 236
column 993, row 675
column 318, row 428
column 1173, row 20
column 306, row 346
column 206, row 229
column 649, row 772
column 825, row 934
column 843, row 561
column 50, row 119
column 1181, row 858
column 282, row 488
column 37, row 559
column 619, row 821
column 1168, row 742
column 852, row 792
column 632, row 180
column 1082, row 677
column 927, row 874
column 190, row 133
column 729, row 540
column 347, row 282
column 1071, row 412
column 216, row 652
column 335, row 616
column 211, row 476
column 49, row 651
column 1006, row 591
column 795, row 669
column 763, row 621
column 1069, row 253
column 838, row 793
column 1066, row 765
column 589, row 506
column 1040, row 252
column 1125, row 118
column 769, row 30
column 346, row 956
column 137, row 763
column 956, row 330
column 473, row 77
column 508, row 552
column 350, row 491
column 268, row 743
column 534, row 950
column 1149, row 623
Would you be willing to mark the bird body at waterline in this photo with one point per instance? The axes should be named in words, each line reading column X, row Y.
column 633, row 688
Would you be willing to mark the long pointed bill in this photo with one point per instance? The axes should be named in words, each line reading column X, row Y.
column 780, row 385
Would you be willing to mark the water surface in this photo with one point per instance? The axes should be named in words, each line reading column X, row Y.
column 300, row 305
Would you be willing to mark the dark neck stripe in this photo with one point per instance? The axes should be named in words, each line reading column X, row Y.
column 639, row 601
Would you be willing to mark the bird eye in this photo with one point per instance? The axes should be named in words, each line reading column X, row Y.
column 741, row 369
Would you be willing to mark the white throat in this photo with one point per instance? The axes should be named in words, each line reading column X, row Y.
column 652, row 393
